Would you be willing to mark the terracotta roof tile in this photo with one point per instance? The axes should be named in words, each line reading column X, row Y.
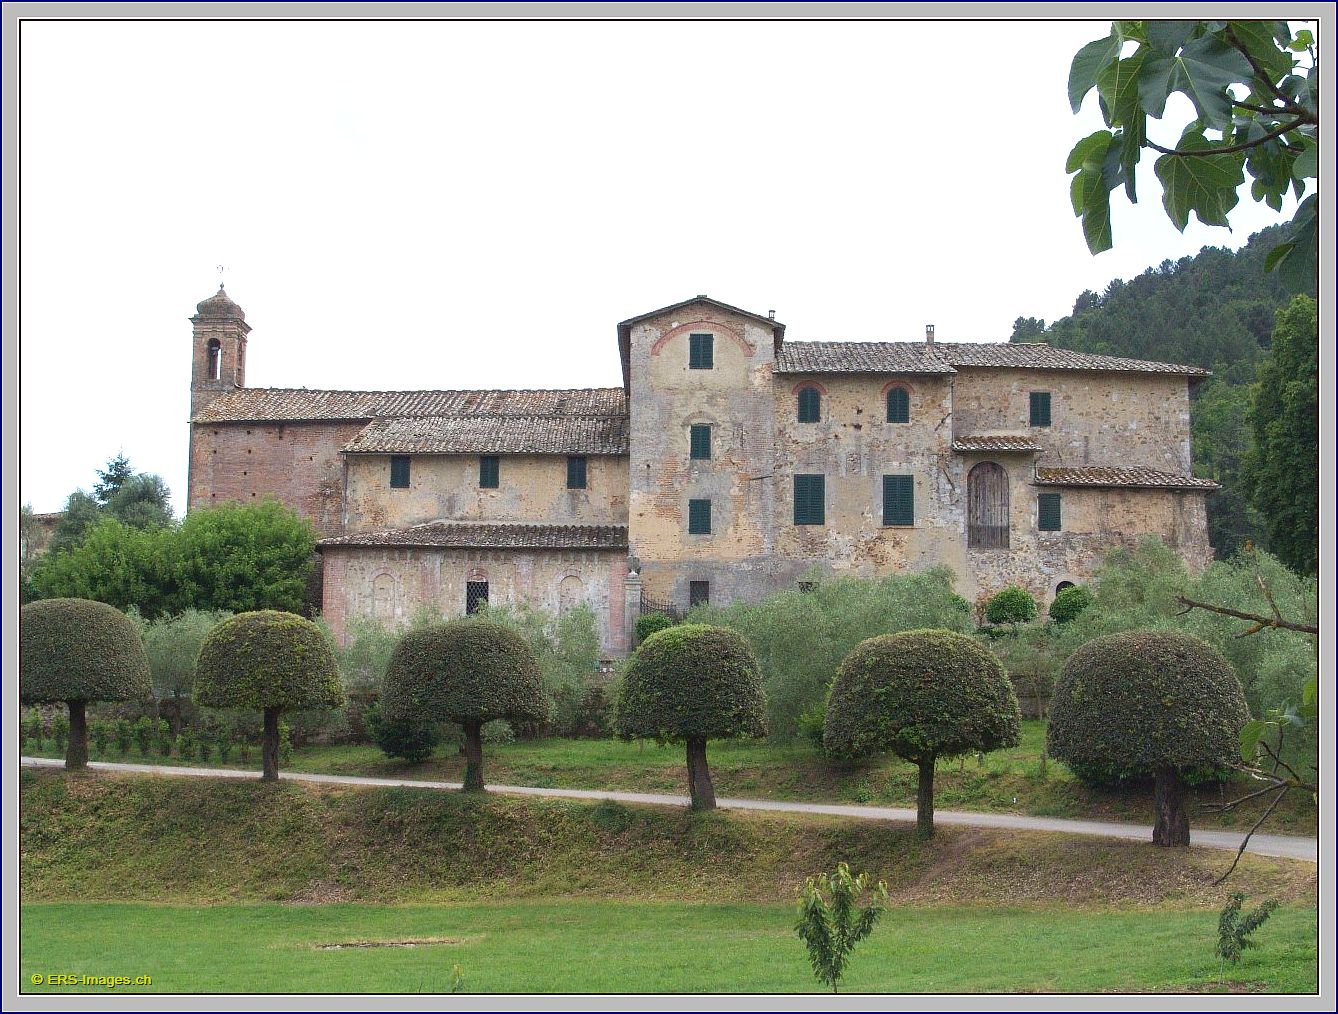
column 947, row 357
column 996, row 443
column 860, row 357
column 465, row 535
column 274, row 404
column 521, row 434
column 1040, row 356
column 1136, row 476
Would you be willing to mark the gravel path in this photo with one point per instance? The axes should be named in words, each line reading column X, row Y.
column 1284, row 846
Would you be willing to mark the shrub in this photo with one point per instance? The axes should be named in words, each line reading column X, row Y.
column 1234, row 930
column 498, row 731
column 267, row 661
column 165, row 738
column 1148, row 703
column 688, row 684
column 651, row 623
column 76, row 651
column 101, row 734
column 34, row 728
column 466, row 671
column 412, row 739
column 1069, row 603
column 60, row 733
column 800, row 637
column 922, row 694
column 1012, row 605
column 831, row 929
column 123, row 734
column 144, row 734
column 172, row 644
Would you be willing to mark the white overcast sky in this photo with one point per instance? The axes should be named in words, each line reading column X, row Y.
column 458, row 205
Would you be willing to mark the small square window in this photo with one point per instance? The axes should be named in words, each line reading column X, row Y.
column 699, row 517
column 576, row 473
column 701, row 351
column 701, row 443
column 1040, row 408
column 489, row 472
column 399, row 471
column 476, row 596
column 699, row 593
column 1048, row 512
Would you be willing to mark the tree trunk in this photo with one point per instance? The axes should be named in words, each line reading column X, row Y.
column 924, row 800
column 700, row 789
column 269, row 748
column 473, row 756
column 1172, row 827
column 76, row 750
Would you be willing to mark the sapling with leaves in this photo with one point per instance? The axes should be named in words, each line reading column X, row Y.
column 1234, row 929
column 832, row 923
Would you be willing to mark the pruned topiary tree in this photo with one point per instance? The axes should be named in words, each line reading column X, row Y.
column 76, row 651
column 1011, row 605
column 467, row 671
column 922, row 694
column 1070, row 603
column 272, row 662
column 1148, row 703
column 688, row 684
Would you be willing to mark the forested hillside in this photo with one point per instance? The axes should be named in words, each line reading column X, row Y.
column 1215, row 309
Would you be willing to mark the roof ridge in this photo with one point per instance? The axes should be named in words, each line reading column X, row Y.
column 422, row 390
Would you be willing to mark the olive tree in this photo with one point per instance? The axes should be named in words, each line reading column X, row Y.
column 922, row 694
column 688, row 684
column 76, row 651
column 269, row 661
column 1148, row 703
column 467, row 671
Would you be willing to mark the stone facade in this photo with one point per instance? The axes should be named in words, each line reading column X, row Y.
column 393, row 480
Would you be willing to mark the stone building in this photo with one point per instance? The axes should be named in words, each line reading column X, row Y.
column 730, row 464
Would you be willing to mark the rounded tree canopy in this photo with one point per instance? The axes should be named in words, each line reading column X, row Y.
column 1130, row 703
column 920, row 694
column 692, row 681
column 267, row 659
column 80, row 650
column 463, row 671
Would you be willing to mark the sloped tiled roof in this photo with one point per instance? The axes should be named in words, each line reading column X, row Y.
column 860, row 357
column 948, row 357
column 994, row 444
column 1040, row 356
column 277, row 404
column 466, row 535
column 494, row 434
column 1137, row 476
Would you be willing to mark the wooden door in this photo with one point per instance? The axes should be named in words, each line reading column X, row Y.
column 987, row 507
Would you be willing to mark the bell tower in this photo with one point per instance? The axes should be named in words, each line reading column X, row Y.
column 218, row 354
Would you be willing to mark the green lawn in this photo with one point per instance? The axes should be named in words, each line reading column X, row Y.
column 594, row 946
column 1005, row 781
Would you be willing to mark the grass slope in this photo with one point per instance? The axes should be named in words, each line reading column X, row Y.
column 1007, row 781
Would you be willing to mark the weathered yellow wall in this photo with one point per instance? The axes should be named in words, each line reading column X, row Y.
column 533, row 489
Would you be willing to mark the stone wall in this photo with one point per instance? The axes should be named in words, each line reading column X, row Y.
column 297, row 463
column 392, row 585
column 532, row 489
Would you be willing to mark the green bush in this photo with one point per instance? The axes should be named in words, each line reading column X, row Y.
column 123, row 733
column 922, row 694
column 76, row 651
column 467, row 671
column 1148, row 703
column 412, row 739
column 651, row 623
column 1069, row 603
column 498, row 731
column 271, row 662
column 1011, row 605
column 60, row 731
column 800, row 637
column 100, row 731
column 688, row 684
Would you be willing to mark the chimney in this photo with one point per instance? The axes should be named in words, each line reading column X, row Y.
column 771, row 315
column 929, row 334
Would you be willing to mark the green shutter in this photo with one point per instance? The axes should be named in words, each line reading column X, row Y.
column 399, row 471
column 576, row 473
column 808, row 500
column 1040, row 408
column 701, row 351
column 1048, row 512
column 810, row 405
column 489, row 472
column 898, row 405
column 701, row 442
column 898, row 500
column 699, row 517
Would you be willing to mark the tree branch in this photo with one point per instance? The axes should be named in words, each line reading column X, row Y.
column 1267, row 79
column 1282, row 791
column 1260, row 622
column 1230, row 149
